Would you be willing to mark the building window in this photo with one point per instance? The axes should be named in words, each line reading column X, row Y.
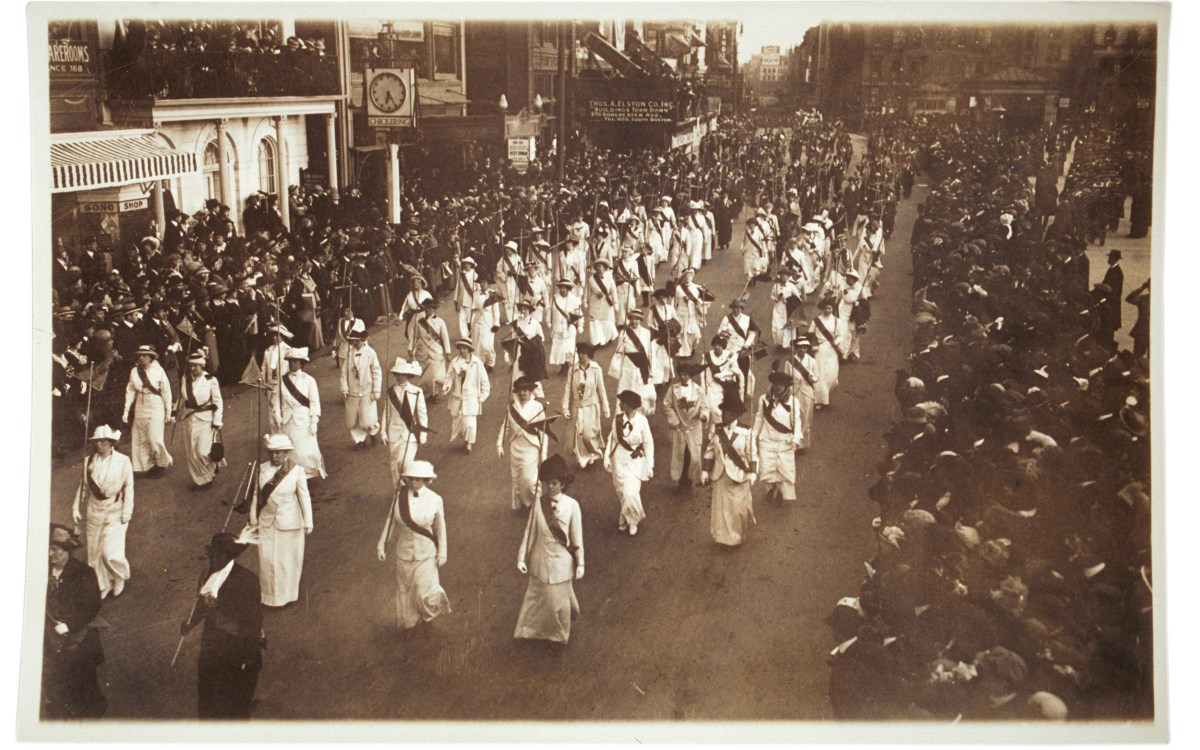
column 266, row 166
column 212, row 171
column 444, row 38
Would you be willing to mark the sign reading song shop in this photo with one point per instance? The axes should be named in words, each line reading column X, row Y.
column 631, row 110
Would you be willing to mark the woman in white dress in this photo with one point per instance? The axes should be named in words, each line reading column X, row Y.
column 107, row 488
column 629, row 456
column 297, row 408
column 830, row 335
column 416, row 532
column 282, row 515
column 601, row 304
column 729, row 463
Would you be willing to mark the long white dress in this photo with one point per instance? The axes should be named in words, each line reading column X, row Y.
column 526, row 447
column 550, row 605
column 419, row 593
column 630, row 457
column 107, row 516
column 827, row 355
column 300, row 421
column 732, row 497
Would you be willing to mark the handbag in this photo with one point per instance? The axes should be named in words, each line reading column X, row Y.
column 217, row 453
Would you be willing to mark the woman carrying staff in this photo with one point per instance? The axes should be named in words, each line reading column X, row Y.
column 297, row 409
column 585, row 397
column 416, row 529
column 552, row 554
column 203, row 410
column 830, row 333
column 524, row 435
column 283, row 517
column 108, row 487
column 729, row 462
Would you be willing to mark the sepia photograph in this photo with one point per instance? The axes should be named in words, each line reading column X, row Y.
column 763, row 371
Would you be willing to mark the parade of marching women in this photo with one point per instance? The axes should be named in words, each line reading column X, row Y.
column 850, row 408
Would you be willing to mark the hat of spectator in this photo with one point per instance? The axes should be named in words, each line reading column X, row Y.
column 1048, row 706
column 405, row 367
column 147, row 350
column 524, row 383
column 63, row 538
column 277, row 442
column 299, row 354
column 104, row 432
column 319, row 45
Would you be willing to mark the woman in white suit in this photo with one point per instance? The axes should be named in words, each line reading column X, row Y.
column 416, row 532
column 830, row 333
column 469, row 388
column 552, row 554
column 282, row 514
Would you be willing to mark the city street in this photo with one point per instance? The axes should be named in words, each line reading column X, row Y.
column 673, row 626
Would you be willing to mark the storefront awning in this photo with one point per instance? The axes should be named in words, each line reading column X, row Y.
column 89, row 162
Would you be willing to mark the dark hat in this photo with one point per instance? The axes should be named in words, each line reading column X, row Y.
column 779, row 378
column 525, row 383
column 429, row 303
column 585, row 348
column 225, row 545
column 687, row 367
column 663, row 294
column 827, row 301
column 737, row 302
column 731, row 409
column 63, row 537
column 555, row 467
column 1114, row 254
column 629, row 398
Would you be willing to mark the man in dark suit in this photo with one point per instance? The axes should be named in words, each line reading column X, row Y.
column 71, row 648
column 232, row 642
column 1114, row 278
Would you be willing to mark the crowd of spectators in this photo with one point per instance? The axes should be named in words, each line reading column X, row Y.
column 1013, row 566
column 205, row 59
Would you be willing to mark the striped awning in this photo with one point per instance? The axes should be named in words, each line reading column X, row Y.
column 89, row 163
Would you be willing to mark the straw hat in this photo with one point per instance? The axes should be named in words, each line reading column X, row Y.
column 278, row 442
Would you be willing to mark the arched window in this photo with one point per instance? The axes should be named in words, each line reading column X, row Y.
column 212, row 171
column 266, row 165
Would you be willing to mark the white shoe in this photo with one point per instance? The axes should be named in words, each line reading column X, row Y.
column 118, row 587
column 633, row 529
column 622, row 526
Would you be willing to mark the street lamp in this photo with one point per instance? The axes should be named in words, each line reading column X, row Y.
column 503, row 103
column 537, row 103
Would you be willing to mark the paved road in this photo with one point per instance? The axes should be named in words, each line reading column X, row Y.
column 673, row 626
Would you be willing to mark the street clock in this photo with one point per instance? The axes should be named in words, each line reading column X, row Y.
column 390, row 96
column 388, row 91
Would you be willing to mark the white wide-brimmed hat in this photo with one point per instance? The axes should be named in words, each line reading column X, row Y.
column 300, row 353
column 404, row 367
column 104, row 432
column 278, row 442
column 419, row 470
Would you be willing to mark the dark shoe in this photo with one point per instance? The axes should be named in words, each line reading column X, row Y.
column 360, row 446
column 201, row 487
column 374, row 440
column 155, row 473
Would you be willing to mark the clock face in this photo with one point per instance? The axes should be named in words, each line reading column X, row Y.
column 388, row 92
